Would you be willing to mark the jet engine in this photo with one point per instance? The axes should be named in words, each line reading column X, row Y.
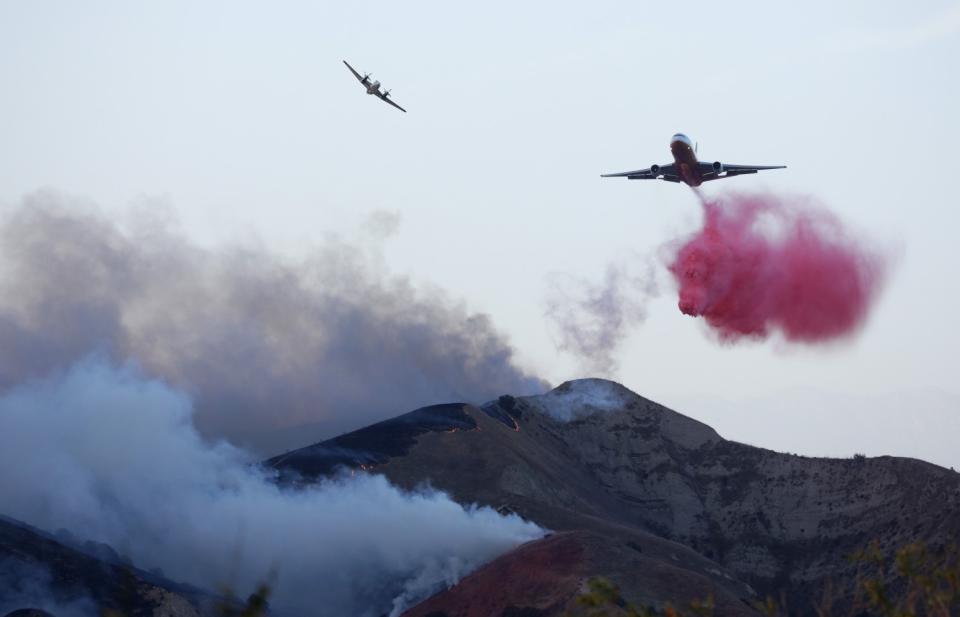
column 717, row 167
column 654, row 169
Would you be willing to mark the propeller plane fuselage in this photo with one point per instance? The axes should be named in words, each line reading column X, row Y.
column 373, row 87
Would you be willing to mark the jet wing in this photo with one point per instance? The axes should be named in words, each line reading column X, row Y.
column 707, row 172
column 666, row 172
column 359, row 77
column 386, row 99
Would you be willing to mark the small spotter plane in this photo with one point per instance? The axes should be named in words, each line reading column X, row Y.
column 373, row 87
column 686, row 168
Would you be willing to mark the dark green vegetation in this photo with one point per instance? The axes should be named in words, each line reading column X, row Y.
column 915, row 582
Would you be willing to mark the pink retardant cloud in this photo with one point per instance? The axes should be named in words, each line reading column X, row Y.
column 762, row 264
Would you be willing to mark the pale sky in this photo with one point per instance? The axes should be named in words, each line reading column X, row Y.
column 242, row 118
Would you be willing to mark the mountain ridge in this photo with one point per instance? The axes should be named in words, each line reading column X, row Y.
column 592, row 456
column 86, row 577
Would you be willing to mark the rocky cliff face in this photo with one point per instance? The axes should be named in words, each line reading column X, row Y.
column 592, row 457
column 776, row 520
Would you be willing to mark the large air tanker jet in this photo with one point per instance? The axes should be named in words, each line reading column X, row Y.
column 686, row 168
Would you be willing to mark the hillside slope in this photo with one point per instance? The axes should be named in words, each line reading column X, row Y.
column 593, row 457
column 38, row 570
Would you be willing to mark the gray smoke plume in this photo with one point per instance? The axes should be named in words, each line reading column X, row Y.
column 114, row 457
column 591, row 319
column 275, row 353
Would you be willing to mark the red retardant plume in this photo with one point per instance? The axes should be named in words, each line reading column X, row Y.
column 760, row 265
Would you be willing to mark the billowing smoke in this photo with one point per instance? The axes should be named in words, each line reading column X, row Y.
column 114, row 457
column 275, row 353
column 592, row 319
column 762, row 264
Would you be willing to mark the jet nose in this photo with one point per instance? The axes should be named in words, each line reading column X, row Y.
column 680, row 137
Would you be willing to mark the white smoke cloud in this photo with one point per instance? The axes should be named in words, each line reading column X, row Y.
column 114, row 457
column 573, row 400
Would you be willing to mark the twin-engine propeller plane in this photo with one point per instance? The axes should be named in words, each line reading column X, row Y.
column 686, row 168
column 373, row 87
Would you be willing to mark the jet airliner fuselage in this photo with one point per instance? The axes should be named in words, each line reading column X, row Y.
column 685, row 158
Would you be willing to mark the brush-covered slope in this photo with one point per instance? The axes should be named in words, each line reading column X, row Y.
column 591, row 456
column 38, row 570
